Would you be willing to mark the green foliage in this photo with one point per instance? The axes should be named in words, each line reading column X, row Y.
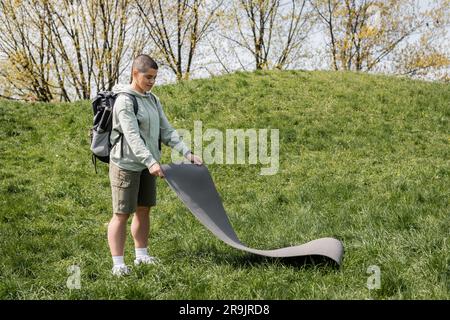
column 362, row 158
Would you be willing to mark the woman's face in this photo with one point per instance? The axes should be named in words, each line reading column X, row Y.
column 145, row 80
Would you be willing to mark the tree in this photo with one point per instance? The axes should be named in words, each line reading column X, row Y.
column 176, row 28
column 25, row 48
column 65, row 48
column 272, row 31
column 362, row 34
column 89, row 38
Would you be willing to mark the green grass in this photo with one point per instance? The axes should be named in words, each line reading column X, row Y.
column 363, row 158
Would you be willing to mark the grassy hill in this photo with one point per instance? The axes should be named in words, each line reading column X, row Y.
column 363, row 158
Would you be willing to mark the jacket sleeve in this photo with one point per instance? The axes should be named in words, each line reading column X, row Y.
column 130, row 128
column 169, row 135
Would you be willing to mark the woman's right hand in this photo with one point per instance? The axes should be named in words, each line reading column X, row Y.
column 155, row 170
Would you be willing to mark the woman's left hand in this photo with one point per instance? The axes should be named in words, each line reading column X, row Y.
column 194, row 159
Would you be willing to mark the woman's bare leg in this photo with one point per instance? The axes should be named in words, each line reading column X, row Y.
column 140, row 227
column 117, row 233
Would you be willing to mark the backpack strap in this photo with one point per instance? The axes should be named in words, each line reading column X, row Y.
column 133, row 98
column 136, row 109
column 94, row 162
column 159, row 112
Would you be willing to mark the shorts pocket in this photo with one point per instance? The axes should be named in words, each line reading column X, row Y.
column 121, row 178
column 120, row 183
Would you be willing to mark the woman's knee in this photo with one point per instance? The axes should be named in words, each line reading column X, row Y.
column 121, row 217
column 142, row 210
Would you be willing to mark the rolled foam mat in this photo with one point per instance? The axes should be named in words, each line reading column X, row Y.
column 194, row 186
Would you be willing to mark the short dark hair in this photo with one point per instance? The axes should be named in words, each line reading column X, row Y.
column 142, row 63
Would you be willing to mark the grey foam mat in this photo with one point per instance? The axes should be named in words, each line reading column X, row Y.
column 193, row 184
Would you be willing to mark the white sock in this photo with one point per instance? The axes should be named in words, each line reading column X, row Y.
column 118, row 260
column 141, row 252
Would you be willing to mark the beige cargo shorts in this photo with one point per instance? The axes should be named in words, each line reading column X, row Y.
column 130, row 189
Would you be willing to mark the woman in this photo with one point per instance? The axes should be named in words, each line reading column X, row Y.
column 134, row 161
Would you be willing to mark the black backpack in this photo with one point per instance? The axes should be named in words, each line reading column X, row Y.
column 102, row 106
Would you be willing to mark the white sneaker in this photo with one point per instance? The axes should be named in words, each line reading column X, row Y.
column 146, row 260
column 120, row 270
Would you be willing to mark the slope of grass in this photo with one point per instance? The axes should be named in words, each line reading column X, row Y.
column 363, row 158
